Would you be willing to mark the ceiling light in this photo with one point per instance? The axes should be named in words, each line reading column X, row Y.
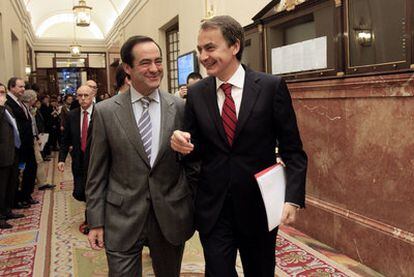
column 82, row 14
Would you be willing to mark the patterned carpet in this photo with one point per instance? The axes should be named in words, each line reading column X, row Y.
column 47, row 242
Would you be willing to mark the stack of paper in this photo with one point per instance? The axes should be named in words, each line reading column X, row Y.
column 272, row 184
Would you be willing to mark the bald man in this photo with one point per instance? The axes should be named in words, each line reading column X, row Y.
column 75, row 135
column 92, row 84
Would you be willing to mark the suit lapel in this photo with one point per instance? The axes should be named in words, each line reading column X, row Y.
column 127, row 121
column 167, row 123
column 210, row 96
column 250, row 93
column 77, row 125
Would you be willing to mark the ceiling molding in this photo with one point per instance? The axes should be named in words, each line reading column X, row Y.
column 123, row 19
column 24, row 17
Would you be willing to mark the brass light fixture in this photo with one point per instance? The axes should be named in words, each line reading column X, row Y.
column 82, row 14
column 75, row 48
column 364, row 37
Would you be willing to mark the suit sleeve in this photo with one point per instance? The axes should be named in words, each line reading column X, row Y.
column 66, row 141
column 290, row 146
column 191, row 126
column 97, row 179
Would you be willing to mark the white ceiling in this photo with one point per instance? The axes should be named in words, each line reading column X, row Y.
column 54, row 18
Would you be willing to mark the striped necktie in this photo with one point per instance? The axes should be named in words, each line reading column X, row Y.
column 228, row 114
column 145, row 127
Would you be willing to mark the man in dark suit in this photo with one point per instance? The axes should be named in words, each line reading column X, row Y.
column 75, row 135
column 26, row 151
column 9, row 144
column 233, row 120
column 136, row 191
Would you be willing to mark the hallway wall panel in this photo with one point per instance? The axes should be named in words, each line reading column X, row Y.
column 358, row 135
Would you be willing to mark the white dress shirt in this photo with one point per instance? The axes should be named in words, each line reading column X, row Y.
column 237, row 82
column 155, row 116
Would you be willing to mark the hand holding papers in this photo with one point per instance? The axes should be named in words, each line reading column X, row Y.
column 272, row 184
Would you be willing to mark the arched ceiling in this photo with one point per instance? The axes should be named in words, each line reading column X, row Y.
column 54, row 19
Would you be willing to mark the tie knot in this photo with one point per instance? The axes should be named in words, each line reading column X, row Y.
column 145, row 102
column 85, row 112
column 226, row 87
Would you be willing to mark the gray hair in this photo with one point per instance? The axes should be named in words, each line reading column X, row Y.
column 29, row 95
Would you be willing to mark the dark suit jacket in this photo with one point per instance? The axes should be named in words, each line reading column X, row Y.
column 266, row 116
column 24, row 124
column 72, row 137
column 7, row 149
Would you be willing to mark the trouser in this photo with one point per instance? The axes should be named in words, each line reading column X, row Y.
column 8, row 185
column 29, row 174
column 220, row 245
column 166, row 258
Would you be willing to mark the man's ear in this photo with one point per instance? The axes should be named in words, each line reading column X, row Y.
column 127, row 68
column 236, row 47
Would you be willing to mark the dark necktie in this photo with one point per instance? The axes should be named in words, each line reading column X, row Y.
column 84, row 136
column 228, row 113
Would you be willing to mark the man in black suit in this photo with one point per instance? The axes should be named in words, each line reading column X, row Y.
column 9, row 144
column 233, row 120
column 26, row 151
column 75, row 135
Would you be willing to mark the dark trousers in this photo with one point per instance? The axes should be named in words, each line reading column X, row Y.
column 29, row 174
column 166, row 258
column 257, row 252
column 8, row 186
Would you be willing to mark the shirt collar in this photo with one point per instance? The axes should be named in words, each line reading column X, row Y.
column 237, row 80
column 89, row 110
column 136, row 96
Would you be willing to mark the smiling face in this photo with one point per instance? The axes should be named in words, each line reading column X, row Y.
column 146, row 71
column 216, row 55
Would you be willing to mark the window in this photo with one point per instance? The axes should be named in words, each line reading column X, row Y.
column 172, row 39
column 303, row 42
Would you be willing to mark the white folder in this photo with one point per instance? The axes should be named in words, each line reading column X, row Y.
column 272, row 184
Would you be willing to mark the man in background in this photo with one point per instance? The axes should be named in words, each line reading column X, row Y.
column 10, row 143
column 75, row 135
column 27, row 157
column 192, row 78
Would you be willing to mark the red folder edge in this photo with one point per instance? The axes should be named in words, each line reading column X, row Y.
column 264, row 171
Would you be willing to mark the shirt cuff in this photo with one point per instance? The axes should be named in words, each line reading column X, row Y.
column 293, row 204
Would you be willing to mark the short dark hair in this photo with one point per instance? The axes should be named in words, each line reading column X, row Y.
column 194, row 75
column 120, row 76
column 12, row 82
column 126, row 50
column 68, row 95
column 231, row 29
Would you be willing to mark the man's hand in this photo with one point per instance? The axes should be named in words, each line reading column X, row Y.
column 61, row 166
column 95, row 238
column 289, row 214
column 180, row 142
column 183, row 91
column 2, row 99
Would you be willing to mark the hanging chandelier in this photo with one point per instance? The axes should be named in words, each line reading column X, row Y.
column 75, row 49
column 82, row 14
